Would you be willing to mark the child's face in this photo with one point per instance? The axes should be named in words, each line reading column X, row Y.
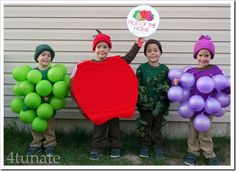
column 44, row 59
column 153, row 53
column 102, row 49
column 203, row 58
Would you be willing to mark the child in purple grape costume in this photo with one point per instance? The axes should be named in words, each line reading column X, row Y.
column 204, row 52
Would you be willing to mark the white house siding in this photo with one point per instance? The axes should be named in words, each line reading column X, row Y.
column 69, row 30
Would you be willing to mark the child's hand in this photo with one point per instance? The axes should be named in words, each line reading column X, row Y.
column 140, row 41
column 176, row 81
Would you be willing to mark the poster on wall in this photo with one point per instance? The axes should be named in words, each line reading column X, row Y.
column 143, row 20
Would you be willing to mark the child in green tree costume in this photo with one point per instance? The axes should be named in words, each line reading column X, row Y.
column 153, row 102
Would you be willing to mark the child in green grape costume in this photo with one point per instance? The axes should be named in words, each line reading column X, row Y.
column 44, row 55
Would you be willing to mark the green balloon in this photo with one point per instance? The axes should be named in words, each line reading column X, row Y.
column 27, row 116
column 32, row 100
column 17, row 105
column 55, row 74
column 16, row 90
column 62, row 68
column 44, row 88
column 60, row 89
column 26, row 68
column 45, row 111
column 67, row 79
column 26, row 87
column 20, row 73
column 57, row 103
column 39, row 125
column 34, row 76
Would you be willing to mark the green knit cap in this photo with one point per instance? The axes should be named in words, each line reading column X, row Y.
column 43, row 47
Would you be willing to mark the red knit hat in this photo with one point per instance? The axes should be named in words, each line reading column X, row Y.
column 101, row 38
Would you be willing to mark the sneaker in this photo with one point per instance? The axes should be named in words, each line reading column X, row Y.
column 191, row 159
column 50, row 151
column 33, row 150
column 160, row 153
column 213, row 161
column 144, row 153
column 115, row 153
column 95, row 155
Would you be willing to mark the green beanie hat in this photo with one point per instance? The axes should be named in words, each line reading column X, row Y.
column 43, row 47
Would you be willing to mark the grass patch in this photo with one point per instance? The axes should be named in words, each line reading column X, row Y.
column 73, row 149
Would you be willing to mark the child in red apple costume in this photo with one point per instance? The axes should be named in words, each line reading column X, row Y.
column 153, row 102
column 105, row 86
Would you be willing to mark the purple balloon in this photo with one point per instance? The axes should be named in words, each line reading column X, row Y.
column 186, row 68
column 221, row 112
column 228, row 82
column 221, row 82
column 186, row 94
column 223, row 98
column 212, row 105
column 205, row 84
column 175, row 93
column 187, row 80
column 185, row 111
column 175, row 74
column 201, row 123
column 196, row 103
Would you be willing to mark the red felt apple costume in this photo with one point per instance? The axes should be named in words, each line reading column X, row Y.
column 106, row 89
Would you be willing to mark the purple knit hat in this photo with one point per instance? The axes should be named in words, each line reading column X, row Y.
column 204, row 42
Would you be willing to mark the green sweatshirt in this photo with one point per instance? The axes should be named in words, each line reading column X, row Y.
column 44, row 73
column 153, row 86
